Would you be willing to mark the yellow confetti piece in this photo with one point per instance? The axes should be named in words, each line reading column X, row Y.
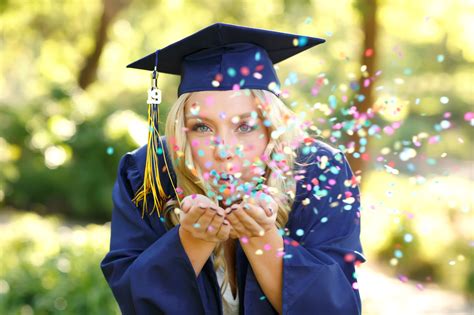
column 334, row 204
column 306, row 201
column 287, row 150
column 259, row 252
column 324, row 162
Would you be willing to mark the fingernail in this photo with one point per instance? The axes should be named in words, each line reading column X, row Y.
column 226, row 222
column 219, row 214
column 213, row 207
column 202, row 206
column 234, row 206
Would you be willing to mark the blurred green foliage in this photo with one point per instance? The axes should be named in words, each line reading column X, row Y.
column 48, row 268
column 420, row 229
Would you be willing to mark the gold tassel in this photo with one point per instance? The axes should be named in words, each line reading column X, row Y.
column 152, row 170
column 151, row 177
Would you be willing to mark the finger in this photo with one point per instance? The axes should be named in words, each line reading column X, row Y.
column 186, row 204
column 233, row 233
column 234, row 221
column 215, row 224
column 193, row 215
column 205, row 220
column 247, row 221
column 242, row 228
column 255, row 212
column 223, row 233
column 266, row 203
column 217, row 209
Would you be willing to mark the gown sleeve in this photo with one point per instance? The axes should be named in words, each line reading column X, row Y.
column 148, row 271
column 323, row 245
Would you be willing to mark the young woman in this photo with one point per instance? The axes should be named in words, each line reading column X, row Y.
column 253, row 215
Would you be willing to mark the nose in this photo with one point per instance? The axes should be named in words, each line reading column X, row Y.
column 223, row 150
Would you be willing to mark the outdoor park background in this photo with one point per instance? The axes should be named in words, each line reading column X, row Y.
column 69, row 109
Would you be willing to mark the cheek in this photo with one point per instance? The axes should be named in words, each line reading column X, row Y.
column 253, row 150
column 202, row 153
column 254, row 147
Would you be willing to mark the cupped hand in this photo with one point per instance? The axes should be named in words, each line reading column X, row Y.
column 252, row 218
column 203, row 219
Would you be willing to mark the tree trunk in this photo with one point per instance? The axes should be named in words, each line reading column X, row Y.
column 88, row 73
column 368, row 11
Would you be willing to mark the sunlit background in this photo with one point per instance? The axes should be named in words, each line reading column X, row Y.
column 392, row 88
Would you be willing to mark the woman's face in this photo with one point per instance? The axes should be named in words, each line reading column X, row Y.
column 227, row 135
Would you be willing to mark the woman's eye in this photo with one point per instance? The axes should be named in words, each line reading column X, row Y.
column 197, row 127
column 247, row 127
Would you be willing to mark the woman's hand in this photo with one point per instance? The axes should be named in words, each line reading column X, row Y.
column 253, row 218
column 203, row 219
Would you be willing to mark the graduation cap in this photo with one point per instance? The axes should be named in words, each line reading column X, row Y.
column 219, row 57
column 222, row 55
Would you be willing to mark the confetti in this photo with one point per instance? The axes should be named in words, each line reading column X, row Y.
column 110, row 150
column 444, row 100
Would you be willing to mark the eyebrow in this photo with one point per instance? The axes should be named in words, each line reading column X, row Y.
column 245, row 115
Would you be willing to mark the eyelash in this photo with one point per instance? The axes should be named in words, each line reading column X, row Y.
column 198, row 125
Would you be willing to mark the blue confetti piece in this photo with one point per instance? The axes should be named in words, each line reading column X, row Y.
column 398, row 253
column 231, row 72
column 110, row 150
column 332, row 101
column 257, row 56
column 302, row 41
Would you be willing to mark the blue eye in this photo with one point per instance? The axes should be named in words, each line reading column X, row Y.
column 200, row 127
column 197, row 126
column 248, row 129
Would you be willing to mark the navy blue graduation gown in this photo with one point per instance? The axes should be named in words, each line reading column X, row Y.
column 150, row 273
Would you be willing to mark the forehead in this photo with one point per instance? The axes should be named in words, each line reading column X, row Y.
column 213, row 103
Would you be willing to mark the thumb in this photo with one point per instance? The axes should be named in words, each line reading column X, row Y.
column 185, row 204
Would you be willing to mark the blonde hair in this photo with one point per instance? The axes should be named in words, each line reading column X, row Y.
column 279, row 176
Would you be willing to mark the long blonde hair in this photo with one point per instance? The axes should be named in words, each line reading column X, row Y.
column 279, row 176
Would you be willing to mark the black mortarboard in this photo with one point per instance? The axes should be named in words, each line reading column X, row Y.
column 225, row 57
column 218, row 57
